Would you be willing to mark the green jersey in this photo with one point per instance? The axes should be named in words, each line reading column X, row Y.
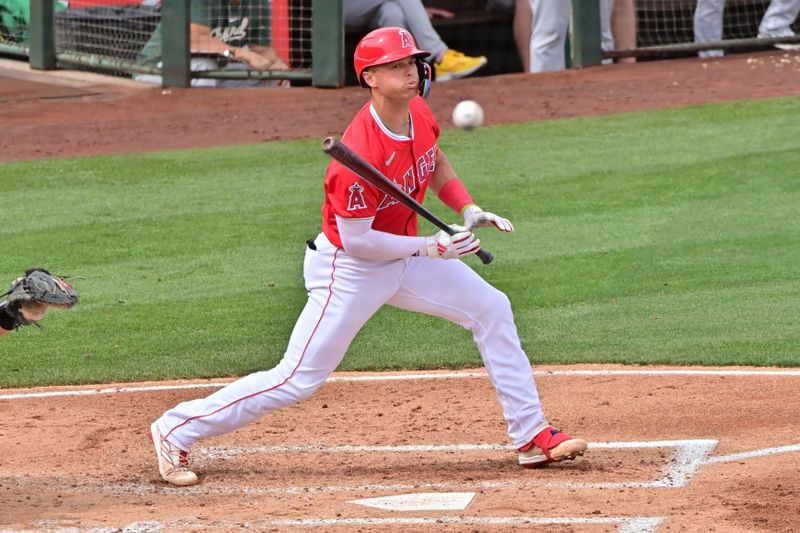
column 237, row 23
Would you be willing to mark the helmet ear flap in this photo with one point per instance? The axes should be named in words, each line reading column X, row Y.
column 425, row 75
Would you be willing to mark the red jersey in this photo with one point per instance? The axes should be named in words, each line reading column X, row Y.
column 408, row 161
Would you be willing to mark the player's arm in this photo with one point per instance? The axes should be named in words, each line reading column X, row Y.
column 450, row 190
column 269, row 53
column 360, row 240
column 200, row 40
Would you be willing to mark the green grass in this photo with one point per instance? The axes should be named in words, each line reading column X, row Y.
column 663, row 237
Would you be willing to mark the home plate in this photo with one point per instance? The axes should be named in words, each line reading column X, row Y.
column 421, row 501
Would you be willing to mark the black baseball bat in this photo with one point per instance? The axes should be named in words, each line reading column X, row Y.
column 343, row 154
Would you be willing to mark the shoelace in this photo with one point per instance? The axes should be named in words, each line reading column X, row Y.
column 169, row 451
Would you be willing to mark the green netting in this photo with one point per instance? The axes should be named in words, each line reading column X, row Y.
column 106, row 32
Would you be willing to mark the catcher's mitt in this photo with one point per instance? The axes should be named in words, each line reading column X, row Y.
column 37, row 289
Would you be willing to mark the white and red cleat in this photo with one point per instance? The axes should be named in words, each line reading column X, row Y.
column 173, row 463
column 550, row 446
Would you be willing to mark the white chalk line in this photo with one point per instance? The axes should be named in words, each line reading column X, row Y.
column 636, row 524
column 409, row 377
column 685, row 463
column 689, row 456
column 226, row 452
column 143, row 489
column 764, row 452
column 628, row 525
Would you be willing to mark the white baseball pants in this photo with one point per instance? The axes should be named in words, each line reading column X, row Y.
column 606, row 35
column 708, row 20
column 549, row 34
column 779, row 17
column 343, row 293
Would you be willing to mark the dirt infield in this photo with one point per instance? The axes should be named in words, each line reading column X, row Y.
column 44, row 120
column 671, row 450
column 664, row 456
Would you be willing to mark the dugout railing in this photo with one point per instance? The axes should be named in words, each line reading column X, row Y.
column 665, row 28
column 108, row 35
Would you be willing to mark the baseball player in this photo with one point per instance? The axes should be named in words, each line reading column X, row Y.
column 776, row 22
column 30, row 296
column 550, row 26
column 368, row 255
column 548, row 35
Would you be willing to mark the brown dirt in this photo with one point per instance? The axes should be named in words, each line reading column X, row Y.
column 85, row 462
column 58, row 121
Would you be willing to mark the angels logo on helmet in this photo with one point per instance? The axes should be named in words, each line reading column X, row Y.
column 386, row 45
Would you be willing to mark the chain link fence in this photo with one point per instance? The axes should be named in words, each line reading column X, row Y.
column 123, row 37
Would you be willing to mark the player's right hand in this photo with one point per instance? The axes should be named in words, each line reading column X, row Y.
column 475, row 217
column 444, row 246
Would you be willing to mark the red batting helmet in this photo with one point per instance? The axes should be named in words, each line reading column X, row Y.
column 385, row 45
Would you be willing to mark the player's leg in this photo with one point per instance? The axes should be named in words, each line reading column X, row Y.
column 344, row 292
column 624, row 27
column 606, row 35
column 362, row 14
column 778, row 18
column 452, row 290
column 523, row 22
column 417, row 22
column 548, row 34
column 708, row 17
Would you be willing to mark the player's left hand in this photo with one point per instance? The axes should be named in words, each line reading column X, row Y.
column 31, row 295
column 446, row 246
column 475, row 217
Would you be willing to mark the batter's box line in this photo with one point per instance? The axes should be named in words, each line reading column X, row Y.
column 689, row 456
column 400, row 377
column 636, row 524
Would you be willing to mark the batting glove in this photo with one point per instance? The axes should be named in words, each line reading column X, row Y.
column 444, row 246
column 475, row 217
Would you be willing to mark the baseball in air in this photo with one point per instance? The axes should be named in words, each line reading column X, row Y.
column 467, row 115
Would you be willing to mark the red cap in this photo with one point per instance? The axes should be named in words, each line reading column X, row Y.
column 382, row 46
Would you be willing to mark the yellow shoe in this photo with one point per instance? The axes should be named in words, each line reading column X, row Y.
column 456, row 65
